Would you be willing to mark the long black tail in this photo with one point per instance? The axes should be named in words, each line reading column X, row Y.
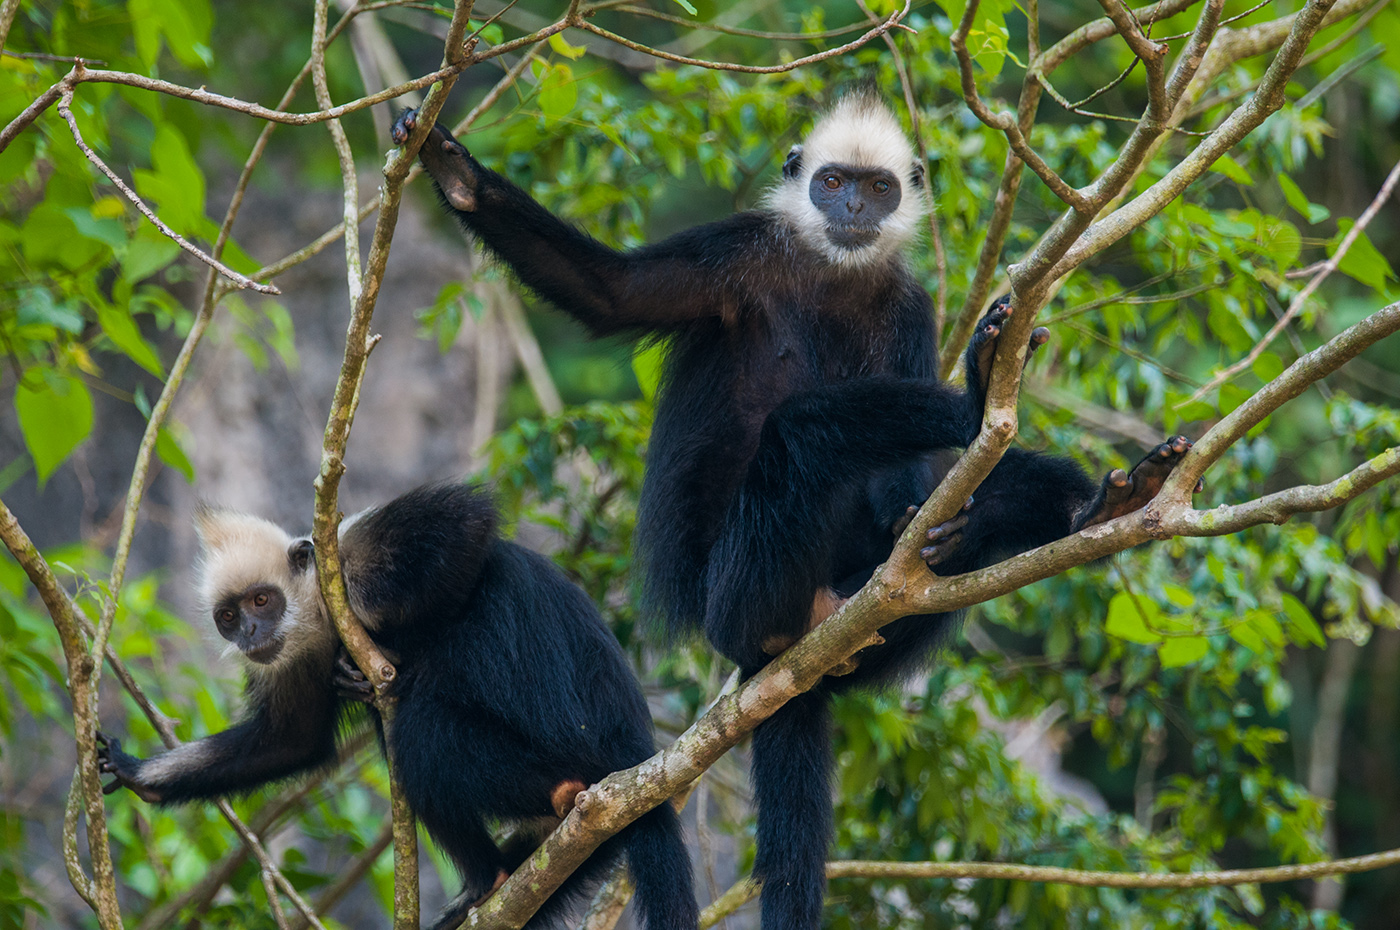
column 660, row 869
column 792, row 785
column 775, row 547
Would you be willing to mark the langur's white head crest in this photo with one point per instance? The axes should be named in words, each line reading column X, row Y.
column 862, row 139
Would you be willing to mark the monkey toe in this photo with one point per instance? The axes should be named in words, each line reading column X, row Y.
column 1039, row 336
column 564, row 795
column 1125, row 492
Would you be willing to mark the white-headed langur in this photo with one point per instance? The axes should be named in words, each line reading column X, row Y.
column 512, row 695
column 798, row 416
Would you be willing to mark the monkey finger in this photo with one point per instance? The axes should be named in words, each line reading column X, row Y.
column 1039, row 336
column 933, row 555
column 112, row 786
column 946, row 530
column 1200, row 486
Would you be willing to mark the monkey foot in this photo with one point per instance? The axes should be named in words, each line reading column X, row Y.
column 1124, row 492
column 445, row 159
column 563, row 796
column 945, row 538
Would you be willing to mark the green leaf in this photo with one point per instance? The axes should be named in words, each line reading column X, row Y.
column 1293, row 194
column 38, row 308
column 147, row 252
column 1362, row 261
column 176, row 184
column 51, row 237
column 1178, row 595
column 558, row 91
column 184, row 24
column 55, row 414
column 1302, row 628
column 1183, row 650
column 120, row 327
column 1267, row 367
column 685, row 5
column 1232, row 170
column 573, row 52
column 169, row 451
column 1128, row 619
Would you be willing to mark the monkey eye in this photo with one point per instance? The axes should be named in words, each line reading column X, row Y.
column 881, row 187
column 831, row 182
column 224, row 617
column 260, row 600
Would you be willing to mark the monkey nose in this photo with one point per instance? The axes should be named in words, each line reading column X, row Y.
column 854, row 206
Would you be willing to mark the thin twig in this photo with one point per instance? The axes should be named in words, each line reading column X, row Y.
column 891, row 22
column 348, row 180
column 1295, row 306
column 732, row 30
column 1007, row 124
column 270, row 888
column 66, row 98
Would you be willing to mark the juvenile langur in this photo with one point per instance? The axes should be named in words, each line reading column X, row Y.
column 512, row 694
column 798, row 410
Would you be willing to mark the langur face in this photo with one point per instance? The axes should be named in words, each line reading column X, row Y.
column 252, row 620
column 854, row 201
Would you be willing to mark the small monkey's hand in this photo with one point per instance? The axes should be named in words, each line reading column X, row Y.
column 126, row 767
column 445, row 159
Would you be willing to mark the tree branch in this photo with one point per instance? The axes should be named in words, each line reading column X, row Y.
column 101, row 891
column 747, row 889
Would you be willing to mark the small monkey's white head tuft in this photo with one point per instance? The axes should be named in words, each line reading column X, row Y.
column 258, row 584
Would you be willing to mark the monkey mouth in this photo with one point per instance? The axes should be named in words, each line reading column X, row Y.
column 264, row 653
column 852, row 237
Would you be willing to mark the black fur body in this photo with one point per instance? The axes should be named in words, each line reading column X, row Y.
column 508, row 685
column 800, row 415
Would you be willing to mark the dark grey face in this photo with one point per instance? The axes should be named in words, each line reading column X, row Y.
column 855, row 201
column 250, row 621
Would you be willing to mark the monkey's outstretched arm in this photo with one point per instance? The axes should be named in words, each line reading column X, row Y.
column 238, row 760
column 652, row 288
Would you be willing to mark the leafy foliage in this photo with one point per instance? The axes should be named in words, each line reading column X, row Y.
column 1177, row 684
